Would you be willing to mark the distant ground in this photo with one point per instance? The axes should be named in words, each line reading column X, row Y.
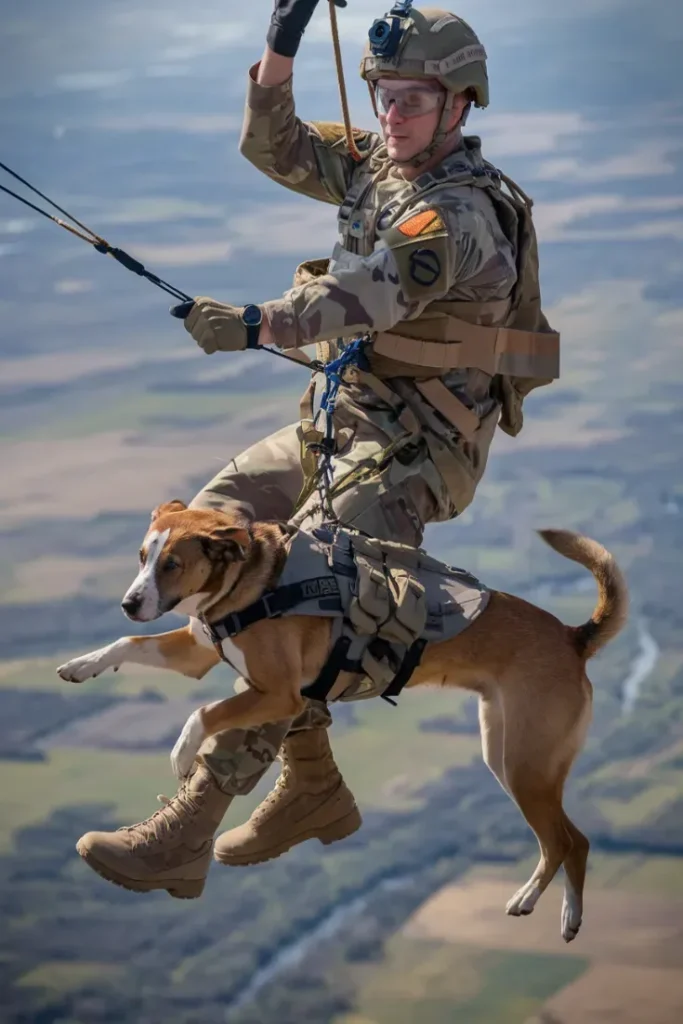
column 79, row 488
column 129, row 113
column 460, row 959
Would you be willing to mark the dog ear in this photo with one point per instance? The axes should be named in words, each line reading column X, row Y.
column 229, row 541
column 168, row 506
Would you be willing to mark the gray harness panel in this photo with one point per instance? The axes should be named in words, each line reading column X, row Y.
column 321, row 578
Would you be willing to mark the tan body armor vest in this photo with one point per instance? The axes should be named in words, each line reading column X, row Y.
column 518, row 350
column 519, row 347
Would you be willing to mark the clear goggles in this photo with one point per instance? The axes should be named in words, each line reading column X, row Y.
column 410, row 102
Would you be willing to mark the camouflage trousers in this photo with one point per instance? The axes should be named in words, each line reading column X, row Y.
column 264, row 482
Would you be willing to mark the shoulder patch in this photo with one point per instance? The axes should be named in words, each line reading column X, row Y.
column 424, row 267
column 424, row 223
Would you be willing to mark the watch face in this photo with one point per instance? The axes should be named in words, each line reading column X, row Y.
column 251, row 315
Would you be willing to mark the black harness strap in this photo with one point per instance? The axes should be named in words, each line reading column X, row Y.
column 412, row 659
column 325, row 590
column 275, row 603
column 336, row 663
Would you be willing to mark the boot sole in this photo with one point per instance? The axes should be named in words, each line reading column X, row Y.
column 180, row 889
column 329, row 834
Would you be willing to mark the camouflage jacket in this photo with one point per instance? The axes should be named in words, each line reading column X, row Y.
column 371, row 286
column 404, row 246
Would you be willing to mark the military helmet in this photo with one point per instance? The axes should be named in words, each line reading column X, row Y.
column 427, row 43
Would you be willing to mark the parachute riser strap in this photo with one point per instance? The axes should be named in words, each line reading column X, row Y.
column 86, row 234
column 101, row 245
column 350, row 142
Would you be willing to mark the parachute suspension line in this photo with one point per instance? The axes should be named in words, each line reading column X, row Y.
column 353, row 149
column 66, row 213
column 55, row 220
column 98, row 243
column 129, row 262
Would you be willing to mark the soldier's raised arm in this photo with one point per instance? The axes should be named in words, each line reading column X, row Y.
column 308, row 157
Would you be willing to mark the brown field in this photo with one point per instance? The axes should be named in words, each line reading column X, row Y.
column 623, row 995
column 640, row 930
column 46, row 478
column 633, row 940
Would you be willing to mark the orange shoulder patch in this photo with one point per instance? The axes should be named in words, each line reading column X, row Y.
column 422, row 223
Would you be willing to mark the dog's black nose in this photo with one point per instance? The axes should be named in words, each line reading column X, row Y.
column 131, row 605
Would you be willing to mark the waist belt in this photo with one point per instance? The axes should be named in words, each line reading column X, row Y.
column 463, row 345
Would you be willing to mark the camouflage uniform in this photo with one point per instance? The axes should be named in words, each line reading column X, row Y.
column 440, row 274
column 368, row 286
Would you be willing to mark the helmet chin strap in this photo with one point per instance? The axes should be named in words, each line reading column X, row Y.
column 441, row 134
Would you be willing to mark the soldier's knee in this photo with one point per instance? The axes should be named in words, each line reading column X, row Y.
column 315, row 715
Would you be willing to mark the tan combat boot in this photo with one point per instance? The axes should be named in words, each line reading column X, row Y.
column 310, row 801
column 171, row 850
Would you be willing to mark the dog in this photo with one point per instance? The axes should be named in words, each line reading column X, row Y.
column 526, row 666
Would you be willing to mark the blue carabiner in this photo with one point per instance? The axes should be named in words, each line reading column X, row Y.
column 352, row 355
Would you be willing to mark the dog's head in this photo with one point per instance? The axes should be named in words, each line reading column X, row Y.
column 187, row 556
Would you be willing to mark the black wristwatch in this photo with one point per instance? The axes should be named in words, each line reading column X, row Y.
column 252, row 318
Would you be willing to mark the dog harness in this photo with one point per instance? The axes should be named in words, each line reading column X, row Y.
column 387, row 600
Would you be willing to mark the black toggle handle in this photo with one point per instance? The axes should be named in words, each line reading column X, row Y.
column 182, row 310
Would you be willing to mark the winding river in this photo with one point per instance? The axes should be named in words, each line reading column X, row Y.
column 292, row 954
column 642, row 667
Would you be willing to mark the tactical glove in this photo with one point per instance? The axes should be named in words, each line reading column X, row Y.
column 216, row 326
column 288, row 23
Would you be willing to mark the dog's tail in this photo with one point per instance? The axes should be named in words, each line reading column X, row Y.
column 611, row 611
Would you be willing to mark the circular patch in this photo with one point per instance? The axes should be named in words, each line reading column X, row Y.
column 425, row 267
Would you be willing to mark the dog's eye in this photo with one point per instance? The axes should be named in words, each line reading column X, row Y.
column 170, row 564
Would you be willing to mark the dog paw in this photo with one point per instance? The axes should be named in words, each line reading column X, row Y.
column 571, row 918
column 524, row 900
column 187, row 746
column 87, row 666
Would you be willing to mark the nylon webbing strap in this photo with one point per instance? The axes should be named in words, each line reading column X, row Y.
column 324, row 589
column 336, row 663
column 408, row 665
column 465, row 345
column 450, row 406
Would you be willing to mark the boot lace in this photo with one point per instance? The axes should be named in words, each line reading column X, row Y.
column 166, row 820
column 273, row 797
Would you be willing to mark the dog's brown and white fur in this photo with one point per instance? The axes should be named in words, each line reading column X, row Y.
column 527, row 667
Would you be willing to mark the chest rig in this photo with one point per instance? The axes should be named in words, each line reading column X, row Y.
column 376, row 200
column 386, row 600
column 502, row 347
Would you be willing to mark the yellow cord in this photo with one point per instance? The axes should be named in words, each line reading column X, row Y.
column 353, row 149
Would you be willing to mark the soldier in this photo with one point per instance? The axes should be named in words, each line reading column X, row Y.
column 434, row 264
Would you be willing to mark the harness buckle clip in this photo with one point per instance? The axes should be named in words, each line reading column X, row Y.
column 326, row 446
column 270, row 612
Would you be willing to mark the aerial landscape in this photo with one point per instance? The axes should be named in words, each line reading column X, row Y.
column 107, row 408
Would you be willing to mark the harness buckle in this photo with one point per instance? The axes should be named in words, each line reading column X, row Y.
column 271, row 613
column 326, row 446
